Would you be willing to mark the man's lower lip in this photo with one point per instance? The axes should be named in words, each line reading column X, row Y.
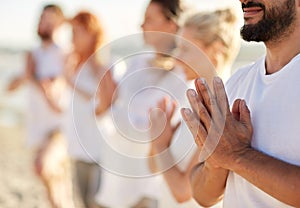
column 250, row 14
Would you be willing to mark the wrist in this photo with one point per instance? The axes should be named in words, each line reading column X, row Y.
column 212, row 168
column 158, row 148
column 214, row 173
column 240, row 158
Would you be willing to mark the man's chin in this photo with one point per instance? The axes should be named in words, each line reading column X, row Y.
column 251, row 21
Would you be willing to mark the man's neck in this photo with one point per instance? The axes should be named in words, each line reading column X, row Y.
column 47, row 43
column 280, row 53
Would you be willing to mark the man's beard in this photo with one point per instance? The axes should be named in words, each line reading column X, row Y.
column 44, row 35
column 276, row 23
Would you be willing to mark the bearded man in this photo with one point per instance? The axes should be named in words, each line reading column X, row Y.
column 254, row 149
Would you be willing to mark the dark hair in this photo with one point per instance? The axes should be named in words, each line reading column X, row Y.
column 55, row 8
column 171, row 8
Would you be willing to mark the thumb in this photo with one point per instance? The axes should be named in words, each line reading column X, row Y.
column 245, row 117
column 236, row 109
column 177, row 126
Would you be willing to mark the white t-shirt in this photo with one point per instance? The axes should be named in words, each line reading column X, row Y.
column 41, row 119
column 80, row 124
column 48, row 61
column 274, row 102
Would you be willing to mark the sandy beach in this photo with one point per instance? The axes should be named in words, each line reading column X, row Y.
column 19, row 185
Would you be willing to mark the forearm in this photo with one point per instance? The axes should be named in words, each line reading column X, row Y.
column 151, row 161
column 82, row 93
column 208, row 184
column 179, row 184
column 177, row 180
column 104, row 104
column 16, row 83
column 107, row 93
column 39, row 86
column 277, row 178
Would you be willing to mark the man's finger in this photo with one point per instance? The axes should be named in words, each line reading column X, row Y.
column 221, row 96
column 209, row 99
column 236, row 109
column 196, row 128
column 245, row 117
column 199, row 109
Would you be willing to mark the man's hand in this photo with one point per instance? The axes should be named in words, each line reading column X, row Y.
column 52, row 89
column 222, row 134
column 15, row 84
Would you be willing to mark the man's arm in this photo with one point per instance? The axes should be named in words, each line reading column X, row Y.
column 207, row 181
column 231, row 132
column 28, row 75
column 208, row 184
column 275, row 177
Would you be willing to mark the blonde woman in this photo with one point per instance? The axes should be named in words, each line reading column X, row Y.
column 206, row 35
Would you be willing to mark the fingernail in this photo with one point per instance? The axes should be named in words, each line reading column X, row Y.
column 244, row 104
column 192, row 93
column 187, row 111
column 218, row 80
column 202, row 80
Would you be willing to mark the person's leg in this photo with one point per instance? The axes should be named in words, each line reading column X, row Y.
column 54, row 171
column 94, row 185
column 82, row 170
column 146, row 202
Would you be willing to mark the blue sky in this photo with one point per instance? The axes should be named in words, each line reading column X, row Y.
column 18, row 18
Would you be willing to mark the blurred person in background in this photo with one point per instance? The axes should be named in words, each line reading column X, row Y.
column 207, row 38
column 83, row 72
column 44, row 66
column 129, row 113
column 161, row 17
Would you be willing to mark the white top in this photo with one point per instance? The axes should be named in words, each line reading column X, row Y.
column 125, row 180
column 185, row 138
column 80, row 124
column 41, row 119
column 48, row 61
column 274, row 102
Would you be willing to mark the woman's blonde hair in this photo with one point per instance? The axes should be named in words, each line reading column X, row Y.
column 219, row 25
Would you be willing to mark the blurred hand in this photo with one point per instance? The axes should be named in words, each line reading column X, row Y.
column 15, row 84
column 106, row 92
column 52, row 98
column 161, row 129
